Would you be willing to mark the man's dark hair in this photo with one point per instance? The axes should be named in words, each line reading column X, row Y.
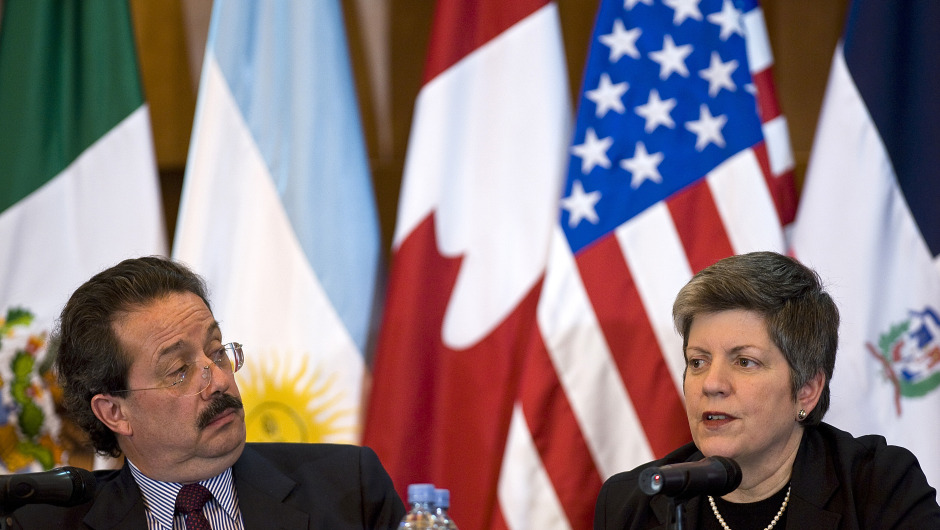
column 802, row 319
column 89, row 359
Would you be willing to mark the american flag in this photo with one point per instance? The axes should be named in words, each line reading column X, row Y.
column 668, row 97
column 680, row 157
column 522, row 362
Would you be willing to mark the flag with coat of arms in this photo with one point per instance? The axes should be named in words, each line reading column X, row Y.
column 868, row 223
column 78, row 193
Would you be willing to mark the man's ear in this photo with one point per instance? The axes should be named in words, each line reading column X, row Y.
column 110, row 411
column 808, row 395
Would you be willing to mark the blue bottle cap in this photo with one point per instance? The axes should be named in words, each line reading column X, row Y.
column 442, row 498
column 420, row 493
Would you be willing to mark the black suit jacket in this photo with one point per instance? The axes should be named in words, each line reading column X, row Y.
column 838, row 482
column 292, row 486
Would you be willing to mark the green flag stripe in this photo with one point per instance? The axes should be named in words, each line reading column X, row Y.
column 68, row 74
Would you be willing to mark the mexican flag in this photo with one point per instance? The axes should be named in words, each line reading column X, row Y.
column 78, row 192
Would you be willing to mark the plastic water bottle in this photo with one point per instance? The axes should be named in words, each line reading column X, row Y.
column 420, row 515
column 442, row 518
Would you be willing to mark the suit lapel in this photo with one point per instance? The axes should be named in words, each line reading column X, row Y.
column 814, row 483
column 261, row 492
column 118, row 505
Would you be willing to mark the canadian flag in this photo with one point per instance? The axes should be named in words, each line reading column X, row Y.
column 479, row 201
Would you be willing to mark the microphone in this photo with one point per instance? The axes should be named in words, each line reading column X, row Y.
column 64, row 486
column 715, row 475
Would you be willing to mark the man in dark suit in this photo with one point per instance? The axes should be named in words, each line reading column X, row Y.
column 145, row 372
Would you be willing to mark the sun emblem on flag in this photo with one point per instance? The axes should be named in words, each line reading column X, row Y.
column 285, row 402
column 29, row 427
column 909, row 353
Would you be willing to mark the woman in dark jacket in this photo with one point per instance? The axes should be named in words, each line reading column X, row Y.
column 760, row 336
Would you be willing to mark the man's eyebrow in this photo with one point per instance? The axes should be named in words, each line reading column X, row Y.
column 213, row 328
column 180, row 345
column 172, row 348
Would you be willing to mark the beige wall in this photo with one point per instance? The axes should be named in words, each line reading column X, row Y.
column 171, row 38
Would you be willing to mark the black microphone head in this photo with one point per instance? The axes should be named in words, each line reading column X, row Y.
column 63, row 486
column 83, row 485
column 651, row 481
column 733, row 471
column 714, row 476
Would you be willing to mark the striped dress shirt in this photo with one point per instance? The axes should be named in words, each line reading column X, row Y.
column 160, row 499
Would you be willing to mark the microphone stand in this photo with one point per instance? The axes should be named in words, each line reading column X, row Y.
column 677, row 510
column 677, row 507
column 6, row 511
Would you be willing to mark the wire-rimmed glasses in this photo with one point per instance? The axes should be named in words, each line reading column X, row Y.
column 193, row 377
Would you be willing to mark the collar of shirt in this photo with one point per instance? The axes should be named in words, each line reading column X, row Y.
column 160, row 497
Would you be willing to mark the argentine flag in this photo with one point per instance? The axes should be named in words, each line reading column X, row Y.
column 868, row 223
column 278, row 214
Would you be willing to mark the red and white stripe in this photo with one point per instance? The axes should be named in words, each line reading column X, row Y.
column 612, row 398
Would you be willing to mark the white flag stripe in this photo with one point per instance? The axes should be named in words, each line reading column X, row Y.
column 779, row 151
column 759, row 55
column 267, row 232
column 478, row 203
column 585, row 366
column 259, row 240
column 873, row 260
column 745, row 204
column 526, row 496
column 101, row 217
column 659, row 267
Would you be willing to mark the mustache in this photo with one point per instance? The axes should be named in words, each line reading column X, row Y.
column 218, row 406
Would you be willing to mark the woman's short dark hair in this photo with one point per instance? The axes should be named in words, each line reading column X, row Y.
column 89, row 359
column 802, row 319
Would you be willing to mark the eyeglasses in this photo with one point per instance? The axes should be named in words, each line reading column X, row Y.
column 193, row 377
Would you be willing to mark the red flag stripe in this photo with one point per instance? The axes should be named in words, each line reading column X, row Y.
column 416, row 262
column 633, row 345
column 557, row 436
column 747, row 208
column 498, row 523
column 767, row 106
column 580, row 354
column 782, row 187
column 461, row 27
column 417, row 369
column 699, row 225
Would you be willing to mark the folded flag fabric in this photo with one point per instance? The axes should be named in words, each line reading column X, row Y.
column 867, row 222
column 278, row 214
column 78, row 193
column 479, row 198
column 535, row 355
